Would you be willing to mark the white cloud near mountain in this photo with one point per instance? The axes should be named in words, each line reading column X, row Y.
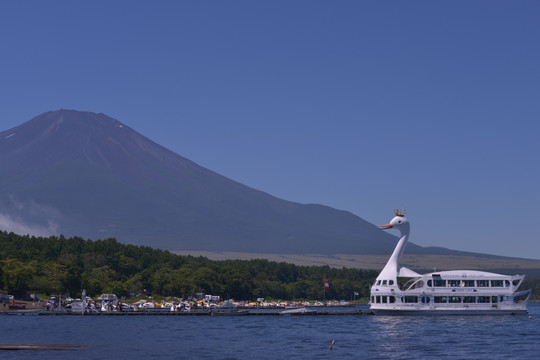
column 38, row 220
column 18, row 226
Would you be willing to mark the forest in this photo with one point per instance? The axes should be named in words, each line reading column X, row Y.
column 58, row 265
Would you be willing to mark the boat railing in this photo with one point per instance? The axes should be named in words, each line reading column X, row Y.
column 522, row 296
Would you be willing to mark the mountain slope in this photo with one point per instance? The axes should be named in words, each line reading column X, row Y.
column 86, row 174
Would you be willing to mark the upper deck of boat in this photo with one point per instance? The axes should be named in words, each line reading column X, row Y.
column 469, row 274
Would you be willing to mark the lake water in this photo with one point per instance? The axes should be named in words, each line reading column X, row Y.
column 276, row 337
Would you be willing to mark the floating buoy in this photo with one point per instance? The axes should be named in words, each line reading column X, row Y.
column 530, row 316
column 333, row 343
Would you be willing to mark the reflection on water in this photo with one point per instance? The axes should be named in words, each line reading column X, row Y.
column 394, row 333
column 457, row 336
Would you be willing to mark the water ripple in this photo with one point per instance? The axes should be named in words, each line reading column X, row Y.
column 274, row 337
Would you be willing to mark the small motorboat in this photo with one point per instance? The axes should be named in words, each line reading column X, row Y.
column 299, row 311
column 228, row 308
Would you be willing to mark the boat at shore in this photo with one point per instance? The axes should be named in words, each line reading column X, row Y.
column 402, row 291
column 227, row 308
column 298, row 311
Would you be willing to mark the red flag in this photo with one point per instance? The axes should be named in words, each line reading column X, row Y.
column 326, row 286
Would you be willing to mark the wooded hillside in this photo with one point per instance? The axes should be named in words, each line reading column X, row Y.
column 59, row 265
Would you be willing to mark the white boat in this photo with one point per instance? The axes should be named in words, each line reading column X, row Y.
column 76, row 307
column 228, row 308
column 298, row 311
column 402, row 291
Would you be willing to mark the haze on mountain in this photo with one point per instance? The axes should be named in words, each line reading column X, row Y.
column 86, row 174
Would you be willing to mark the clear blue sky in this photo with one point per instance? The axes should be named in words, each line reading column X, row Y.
column 364, row 106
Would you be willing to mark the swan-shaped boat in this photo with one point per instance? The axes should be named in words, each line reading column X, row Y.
column 402, row 291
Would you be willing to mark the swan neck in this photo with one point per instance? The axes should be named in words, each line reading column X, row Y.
column 391, row 269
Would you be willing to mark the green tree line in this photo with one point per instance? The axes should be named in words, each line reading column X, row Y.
column 58, row 265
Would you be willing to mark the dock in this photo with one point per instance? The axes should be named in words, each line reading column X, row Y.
column 38, row 347
column 190, row 313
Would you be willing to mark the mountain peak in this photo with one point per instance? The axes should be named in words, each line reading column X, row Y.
column 62, row 136
column 61, row 117
column 52, row 123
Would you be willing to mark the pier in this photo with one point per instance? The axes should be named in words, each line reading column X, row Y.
column 38, row 347
column 188, row 313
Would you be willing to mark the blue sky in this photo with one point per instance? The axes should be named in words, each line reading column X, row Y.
column 364, row 106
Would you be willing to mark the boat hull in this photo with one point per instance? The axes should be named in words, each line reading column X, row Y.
column 230, row 313
column 439, row 312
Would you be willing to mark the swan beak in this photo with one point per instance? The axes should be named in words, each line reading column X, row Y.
column 385, row 227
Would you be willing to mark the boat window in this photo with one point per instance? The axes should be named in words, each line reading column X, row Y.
column 501, row 298
column 496, row 283
column 392, row 299
column 372, row 299
column 481, row 283
column 384, row 283
column 425, row 299
column 516, row 282
column 419, row 284
column 483, row 299
column 378, row 282
column 454, row 299
column 409, row 299
column 440, row 299
column 429, row 283
column 506, row 283
column 453, row 283
column 468, row 283
column 440, row 283
column 384, row 299
column 469, row 299
column 378, row 299
column 405, row 283
column 494, row 299
column 390, row 282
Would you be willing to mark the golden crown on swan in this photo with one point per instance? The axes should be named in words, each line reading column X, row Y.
column 400, row 213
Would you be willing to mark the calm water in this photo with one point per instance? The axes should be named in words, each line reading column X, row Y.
column 275, row 337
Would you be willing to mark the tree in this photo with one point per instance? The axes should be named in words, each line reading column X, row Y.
column 18, row 276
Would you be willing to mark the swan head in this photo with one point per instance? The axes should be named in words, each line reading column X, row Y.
column 399, row 222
